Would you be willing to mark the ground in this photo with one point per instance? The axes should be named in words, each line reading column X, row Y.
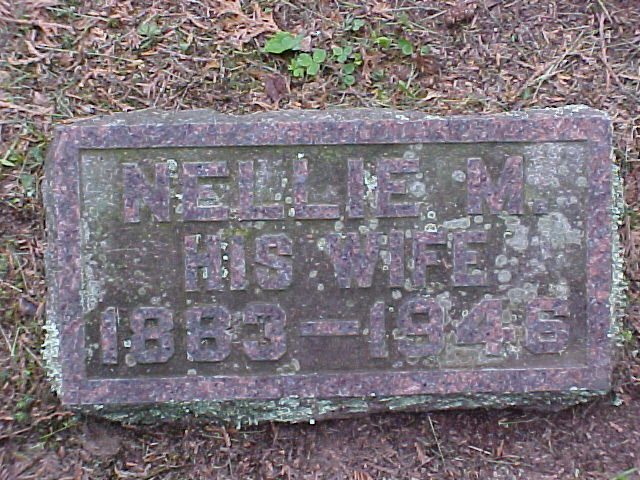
column 72, row 59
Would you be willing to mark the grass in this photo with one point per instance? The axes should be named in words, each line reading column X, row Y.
column 71, row 59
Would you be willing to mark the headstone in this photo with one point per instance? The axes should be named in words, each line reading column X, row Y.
column 308, row 264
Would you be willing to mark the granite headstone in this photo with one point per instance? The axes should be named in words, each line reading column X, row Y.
column 307, row 264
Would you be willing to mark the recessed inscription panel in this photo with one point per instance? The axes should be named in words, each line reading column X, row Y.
column 281, row 260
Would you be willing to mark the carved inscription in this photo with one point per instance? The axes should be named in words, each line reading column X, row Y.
column 420, row 323
column 277, row 260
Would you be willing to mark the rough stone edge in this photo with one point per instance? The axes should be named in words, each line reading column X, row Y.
column 157, row 116
column 51, row 344
column 618, row 298
column 296, row 410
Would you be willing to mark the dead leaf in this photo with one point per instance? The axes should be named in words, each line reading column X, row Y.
column 463, row 11
column 428, row 64
column 40, row 99
column 27, row 307
column 422, row 458
column 381, row 8
column 26, row 109
column 100, row 439
column 239, row 28
column 500, row 449
column 4, row 8
column 370, row 61
column 305, row 44
column 433, row 94
column 212, row 64
column 276, row 87
column 616, row 427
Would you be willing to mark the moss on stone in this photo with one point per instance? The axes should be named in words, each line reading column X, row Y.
column 293, row 409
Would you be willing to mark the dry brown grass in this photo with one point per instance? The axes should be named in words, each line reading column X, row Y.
column 68, row 59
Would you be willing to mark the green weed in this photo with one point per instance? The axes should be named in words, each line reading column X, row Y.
column 149, row 29
column 403, row 44
column 28, row 183
column 383, row 42
column 624, row 475
column 282, row 42
column 353, row 24
column 627, row 335
column 307, row 63
column 350, row 60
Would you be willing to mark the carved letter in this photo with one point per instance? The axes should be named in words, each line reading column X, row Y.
column 281, row 278
column 193, row 193
column 301, row 195
column 387, row 187
column 152, row 341
column 423, row 257
column 349, row 261
column 463, row 257
column 210, row 261
column 249, row 211
column 396, row 253
column 237, row 264
column 136, row 189
column 355, row 206
column 480, row 187
column 109, row 336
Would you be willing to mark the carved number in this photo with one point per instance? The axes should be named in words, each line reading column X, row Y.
column 546, row 332
column 428, row 334
column 377, row 331
column 208, row 336
column 274, row 344
column 152, row 341
column 483, row 324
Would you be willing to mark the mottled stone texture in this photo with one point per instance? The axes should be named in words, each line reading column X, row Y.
column 308, row 264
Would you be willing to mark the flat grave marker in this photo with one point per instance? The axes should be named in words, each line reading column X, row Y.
column 300, row 265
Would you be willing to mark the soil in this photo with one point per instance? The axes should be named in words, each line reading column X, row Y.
column 63, row 60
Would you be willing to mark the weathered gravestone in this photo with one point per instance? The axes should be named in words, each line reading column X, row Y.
column 301, row 265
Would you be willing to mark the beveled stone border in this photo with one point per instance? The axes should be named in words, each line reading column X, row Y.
column 207, row 129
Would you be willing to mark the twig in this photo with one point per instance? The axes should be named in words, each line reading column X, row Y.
column 604, row 9
column 19, row 108
column 479, row 450
column 21, row 270
column 603, row 53
column 106, row 19
column 548, row 69
column 11, row 286
column 10, row 150
column 162, row 470
column 6, row 340
column 435, row 437
column 16, row 433
column 33, row 355
column 36, row 23
column 15, row 341
column 335, row 24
